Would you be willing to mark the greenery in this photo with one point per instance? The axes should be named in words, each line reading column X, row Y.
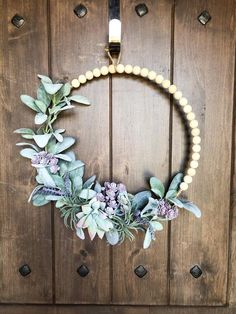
column 103, row 210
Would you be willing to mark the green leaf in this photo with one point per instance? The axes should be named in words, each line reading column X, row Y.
column 87, row 194
column 67, row 142
column 46, row 177
column 28, row 153
column 28, row 144
column 58, row 181
column 157, row 187
column 42, row 107
column 147, row 239
column 44, row 78
column 77, row 183
column 29, row 101
column 35, row 190
column 191, row 207
column 176, row 201
column 75, row 165
column 112, row 237
column 27, row 136
column 58, row 136
column 156, row 225
column 80, row 99
column 43, row 96
column 89, row 183
column 140, row 200
column 51, row 88
column 63, row 157
column 39, row 200
column 24, row 131
column 42, row 140
column 40, row 118
column 66, row 89
column 173, row 188
column 53, row 197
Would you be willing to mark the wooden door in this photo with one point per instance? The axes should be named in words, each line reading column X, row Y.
column 130, row 132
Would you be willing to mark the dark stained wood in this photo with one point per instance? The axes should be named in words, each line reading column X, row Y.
column 77, row 45
column 141, row 145
column 204, row 70
column 25, row 231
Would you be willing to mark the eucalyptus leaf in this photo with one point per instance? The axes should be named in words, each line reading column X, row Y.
column 43, row 96
column 191, row 207
column 42, row 140
column 40, row 118
column 41, row 105
column 80, row 99
column 27, row 136
column 28, row 153
column 46, row 177
column 29, row 101
column 173, row 188
column 87, row 194
column 58, row 136
column 157, row 187
column 51, row 88
column 89, row 183
column 140, row 200
column 45, row 78
column 63, row 157
column 28, row 144
column 67, row 142
column 176, row 202
column 66, row 89
column 24, row 131
column 75, row 165
column 112, row 237
column 77, row 183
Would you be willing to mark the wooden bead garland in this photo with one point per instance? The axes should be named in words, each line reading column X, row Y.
column 171, row 89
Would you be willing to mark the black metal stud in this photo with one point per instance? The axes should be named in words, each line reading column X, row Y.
column 204, row 17
column 18, row 21
column 83, row 270
column 80, row 10
column 24, row 270
column 140, row 271
column 141, row 9
column 196, row 271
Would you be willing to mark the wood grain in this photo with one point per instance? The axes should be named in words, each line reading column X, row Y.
column 203, row 69
column 25, row 231
column 141, row 145
column 75, row 48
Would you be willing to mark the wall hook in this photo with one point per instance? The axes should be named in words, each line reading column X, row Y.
column 80, row 10
column 18, row 21
column 204, row 17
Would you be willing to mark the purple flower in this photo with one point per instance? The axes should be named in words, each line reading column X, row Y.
column 45, row 159
column 165, row 210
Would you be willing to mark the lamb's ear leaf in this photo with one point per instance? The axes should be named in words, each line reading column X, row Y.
column 41, row 105
column 24, row 131
column 174, row 185
column 43, row 96
column 79, row 99
column 140, row 200
column 147, row 239
column 89, row 183
column 66, row 89
column 87, row 194
column 157, row 187
column 29, row 102
column 28, row 153
column 40, row 118
column 46, row 177
column 191, row 207
column 45, row 78
column 28, row 144
column 64, row 145
column 39, row 200
column 156, row 225
column 51, row 88
column 42, row 139
column 175, row 201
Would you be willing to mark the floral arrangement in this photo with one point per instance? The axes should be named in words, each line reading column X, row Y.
column 106, row 210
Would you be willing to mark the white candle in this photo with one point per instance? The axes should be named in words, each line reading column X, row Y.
column 114, row 31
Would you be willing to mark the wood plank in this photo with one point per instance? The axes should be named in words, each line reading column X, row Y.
column 141, row 145
column 76, row 47
column 86, row 309
column 203, row 69
column 25, row 231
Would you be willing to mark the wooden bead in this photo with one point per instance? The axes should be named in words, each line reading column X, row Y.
column 188, row 179
column 136, row 70
column 159, row 79
column 195, row 132
column 75, row 83
column 191, row 172
column 96, row 72
column 104, row 70
column 195, row 156
column 144, row 72
column 191, row 116
column 183, row 101
column 82, row 79
column 193, row 124
column 166, row 84
column 120, row 68
column 112, row 69
column 178, row 95
column 152, row 75
column 187, row 109
column 128, row 69
column 183, row 186
column 172, row 89
column 89, row 75
column 194, row 164
column 196, row 140
column 196, row 148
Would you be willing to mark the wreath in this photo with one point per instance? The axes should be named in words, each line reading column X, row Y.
column 106, row 209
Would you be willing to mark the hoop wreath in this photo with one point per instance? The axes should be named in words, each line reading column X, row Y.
column 106, row 209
